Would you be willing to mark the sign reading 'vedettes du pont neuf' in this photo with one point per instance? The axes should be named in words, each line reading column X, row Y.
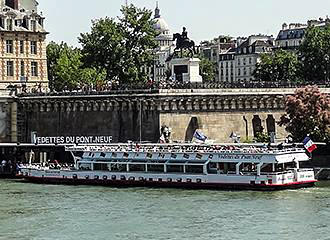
column 72, row 140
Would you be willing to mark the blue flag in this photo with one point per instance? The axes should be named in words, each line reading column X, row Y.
column 200, row 136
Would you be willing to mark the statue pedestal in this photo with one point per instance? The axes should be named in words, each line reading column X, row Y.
column 186, row 70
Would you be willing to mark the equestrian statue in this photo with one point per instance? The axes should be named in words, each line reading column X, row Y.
column 184, row 43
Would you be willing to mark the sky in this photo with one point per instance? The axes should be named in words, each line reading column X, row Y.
column 204, row 20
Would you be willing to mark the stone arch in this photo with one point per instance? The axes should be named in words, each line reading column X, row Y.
column 271, row 126
column 194, row 124
column 257, row 126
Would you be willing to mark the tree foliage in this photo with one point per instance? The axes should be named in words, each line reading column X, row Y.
column 278, row 66
column 262, row 137
column 314, row 54
column 66, row 70
column 307, row 112
column 207, row 70
column 123, row 46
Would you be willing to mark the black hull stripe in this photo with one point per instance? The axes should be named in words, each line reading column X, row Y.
column 164, row 184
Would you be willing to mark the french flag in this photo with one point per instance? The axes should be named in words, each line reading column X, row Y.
column 309, row 144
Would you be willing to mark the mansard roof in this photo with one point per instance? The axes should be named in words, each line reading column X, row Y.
column 296, row 33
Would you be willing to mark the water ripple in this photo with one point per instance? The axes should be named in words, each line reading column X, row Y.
column 30, row 211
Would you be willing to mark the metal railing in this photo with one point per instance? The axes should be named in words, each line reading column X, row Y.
column 144, row 88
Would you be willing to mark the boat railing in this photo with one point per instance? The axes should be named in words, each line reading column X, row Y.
column 182, row 149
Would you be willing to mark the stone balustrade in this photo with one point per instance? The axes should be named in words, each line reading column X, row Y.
column 167, row 104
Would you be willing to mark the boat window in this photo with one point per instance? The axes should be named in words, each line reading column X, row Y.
column 155, row 168
column 248, row 167
column 116, row 167
column 84, row 166
column 212, row 168
column 137, row 167
column 194, row 169
column 175, row 168
column 101, row 167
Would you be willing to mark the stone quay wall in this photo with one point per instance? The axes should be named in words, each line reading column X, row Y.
column 139, row 116
column 8, row 119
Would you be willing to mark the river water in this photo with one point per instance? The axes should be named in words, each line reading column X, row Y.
column 32, row 211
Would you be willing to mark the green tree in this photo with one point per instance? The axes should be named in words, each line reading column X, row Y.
column 207, row 70
column 66, row 71
column 307, row 112
column 278, row 66
column 53, row 54
column 262, row 137
column 314, row 54
column 123, row 47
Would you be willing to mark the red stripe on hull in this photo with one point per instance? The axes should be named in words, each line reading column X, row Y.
column 165, row 184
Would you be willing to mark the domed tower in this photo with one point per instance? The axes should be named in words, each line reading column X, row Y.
column 164, row 49
column 164, row 38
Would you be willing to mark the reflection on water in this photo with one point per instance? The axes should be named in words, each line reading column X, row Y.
column 30, row 211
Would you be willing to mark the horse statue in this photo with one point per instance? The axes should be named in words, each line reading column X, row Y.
column 183, row 42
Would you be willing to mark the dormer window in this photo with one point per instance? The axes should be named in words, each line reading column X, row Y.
column 18, row 23
column 33, row 25
column 25, row 23
column 41, row 21
column 10, row 24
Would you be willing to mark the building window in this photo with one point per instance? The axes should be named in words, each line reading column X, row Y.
column 10, row 24
column 9, row 46
column 10, row 68
column 33, row 47
column 33, row 25
column 34, row 69
column 239, row 72
column 22, row 69
column 21, row 46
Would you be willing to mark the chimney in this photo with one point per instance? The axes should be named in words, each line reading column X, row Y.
column 284, row 26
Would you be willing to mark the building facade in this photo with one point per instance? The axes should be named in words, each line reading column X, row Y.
column 248, row 55
column 216, row 51
column 23, row 57
column 291, row 36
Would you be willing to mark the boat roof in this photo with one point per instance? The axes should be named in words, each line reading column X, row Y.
column 249, row 155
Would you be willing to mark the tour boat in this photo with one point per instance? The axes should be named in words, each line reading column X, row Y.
column 180, row 166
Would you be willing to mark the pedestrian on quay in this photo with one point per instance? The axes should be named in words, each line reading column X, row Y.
column 3, row 165
column 10, row 166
